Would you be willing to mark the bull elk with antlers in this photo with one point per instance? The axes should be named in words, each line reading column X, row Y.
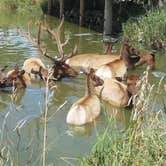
column 35, row 66
column 86, row 109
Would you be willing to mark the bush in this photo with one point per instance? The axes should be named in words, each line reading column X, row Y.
column 22, row 6
column 149, row 29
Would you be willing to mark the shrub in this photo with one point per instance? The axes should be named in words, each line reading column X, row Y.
column 149, row 29
column 22, row 6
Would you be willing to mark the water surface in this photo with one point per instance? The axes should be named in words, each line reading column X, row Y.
column 21, row 112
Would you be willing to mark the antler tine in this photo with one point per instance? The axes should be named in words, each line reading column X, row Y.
column 34, row 41
column 71, row 54
column 57, row 37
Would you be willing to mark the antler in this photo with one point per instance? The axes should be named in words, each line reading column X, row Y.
column 35, row 42
column 57, row 36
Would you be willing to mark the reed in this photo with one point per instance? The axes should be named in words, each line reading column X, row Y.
column 142, row 143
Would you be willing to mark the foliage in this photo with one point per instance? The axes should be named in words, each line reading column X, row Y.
column 149, row 29
column 21, row 6
column 143, row 143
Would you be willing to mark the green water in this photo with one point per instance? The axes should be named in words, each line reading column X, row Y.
column 21, row 113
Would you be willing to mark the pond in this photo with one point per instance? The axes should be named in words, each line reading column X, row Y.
column 22, row 111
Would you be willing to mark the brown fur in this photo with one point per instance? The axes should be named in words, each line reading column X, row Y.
column 131, row 82
column 20, row 79
column 86, row 109
column 33, row 65
column 149, row 59
column 114, row 92
column 97, row 60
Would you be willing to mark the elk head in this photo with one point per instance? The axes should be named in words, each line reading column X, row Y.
column 126, row 54
column 17, row 78
column 60, row 69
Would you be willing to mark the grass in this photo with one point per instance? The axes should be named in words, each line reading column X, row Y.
column 150, row 29
column 143, row 143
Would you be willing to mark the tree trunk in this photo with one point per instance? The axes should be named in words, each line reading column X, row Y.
column 81, row 20
column 108, row 18
column 61, row 8
column 49, row 7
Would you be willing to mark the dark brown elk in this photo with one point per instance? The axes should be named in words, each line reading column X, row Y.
column 59, row 69
column 17, row 78
column 86, row 109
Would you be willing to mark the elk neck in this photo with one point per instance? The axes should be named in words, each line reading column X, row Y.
column 89, row 86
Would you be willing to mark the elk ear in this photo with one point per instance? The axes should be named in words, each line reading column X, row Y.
column 16, row 68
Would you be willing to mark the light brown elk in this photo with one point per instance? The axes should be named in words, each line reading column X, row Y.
column 59, row 69
column 35, row 68
column 114, row 92
column 118, row 92
column 86, row 109
column 118, row 67
column 18, row 78
column 97, row 60
column 148, row 58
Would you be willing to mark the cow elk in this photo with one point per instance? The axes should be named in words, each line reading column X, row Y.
column 114, row 92
column 18, row 78
column 59, row 69
column 86, row 109
column 148, row 58
column 98, row 60
column 118, row 67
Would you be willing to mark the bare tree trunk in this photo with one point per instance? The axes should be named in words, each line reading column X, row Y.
column 82, row 6
column 61, row 8
column 49, row 7
column 108, row 18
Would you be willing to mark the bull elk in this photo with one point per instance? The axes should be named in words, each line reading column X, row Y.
column 86, row 109
column 59, row 69
column 18, row 78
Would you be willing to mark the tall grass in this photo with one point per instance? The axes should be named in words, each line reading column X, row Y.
column 149, row 29
column 143, row 143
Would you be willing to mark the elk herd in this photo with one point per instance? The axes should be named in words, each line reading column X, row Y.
column 106, row 74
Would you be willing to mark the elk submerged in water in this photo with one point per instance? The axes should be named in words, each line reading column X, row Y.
column 34, row 66
column 86, row 109
column 18, row 78
column 97, row 60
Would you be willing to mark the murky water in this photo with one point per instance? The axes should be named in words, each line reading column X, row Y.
column 21, row 112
